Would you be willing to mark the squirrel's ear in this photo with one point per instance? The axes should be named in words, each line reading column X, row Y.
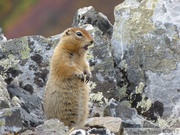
column 67, row 32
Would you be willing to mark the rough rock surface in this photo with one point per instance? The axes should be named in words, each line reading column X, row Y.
column 88, row 15
column 129, row 116
column 23, row 62
column 151, row 131
column 24, row 67
column 11, row 117
column 4, row 95
column 145, row 45
column 101, row 60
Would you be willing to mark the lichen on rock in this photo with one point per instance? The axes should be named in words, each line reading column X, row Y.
column 146, row 37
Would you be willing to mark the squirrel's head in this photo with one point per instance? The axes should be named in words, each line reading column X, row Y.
column 77, row 38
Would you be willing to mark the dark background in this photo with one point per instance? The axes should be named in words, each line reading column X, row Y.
column 46, row 17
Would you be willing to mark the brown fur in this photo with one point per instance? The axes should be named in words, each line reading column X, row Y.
column 67, row 91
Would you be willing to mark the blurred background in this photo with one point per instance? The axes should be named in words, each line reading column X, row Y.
column 46, row 17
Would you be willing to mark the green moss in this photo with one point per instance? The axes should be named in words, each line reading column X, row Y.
column 154, row 60
column 126, row 104
column 92, row 85
column 145, row 104
column 139, row 88
column 162, row 123
column 11, row 62
column 122, row 91
column 98, row 98
column 148, row 43
column 124, row 65
column 139, row 24
column 2, row 122
column 7, row 113
column 89, row 54
column 150, row 51
column 16, row 50
column 177, row 131
column 167, row 123
column 25, row 52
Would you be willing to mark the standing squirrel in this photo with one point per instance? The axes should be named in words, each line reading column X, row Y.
column 67, row 89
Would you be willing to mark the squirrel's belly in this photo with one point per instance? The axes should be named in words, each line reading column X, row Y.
column 67, row 101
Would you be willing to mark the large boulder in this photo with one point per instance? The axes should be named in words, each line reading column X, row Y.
column 88, row 15
column 24, row 68
column 24, row 63
column 100, row 56
column 146, row 48
column 129, row 116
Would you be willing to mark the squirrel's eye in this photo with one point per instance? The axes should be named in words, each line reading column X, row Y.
column 79, row 34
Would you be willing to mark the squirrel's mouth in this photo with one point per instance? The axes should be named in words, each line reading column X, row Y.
column 86, row 47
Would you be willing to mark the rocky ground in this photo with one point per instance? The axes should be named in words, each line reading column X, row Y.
column 135, row 65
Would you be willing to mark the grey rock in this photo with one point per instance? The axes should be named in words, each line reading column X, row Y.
column 97, row 104
column 149, row 124
column 142, row 131
column 124, row 112
column 101, row 60
column 15, row 101
column 151, row 131
column 24, row 63
column 2, row 37
column 88, row 15
column 31, row 106
column 16, row 119
column 11, row 119
column 110, row 108
column 4, row 95
column 145, row 45
column 103, row 71
column 129, row 116
column 50, row 127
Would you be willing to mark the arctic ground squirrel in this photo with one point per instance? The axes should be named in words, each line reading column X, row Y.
column 67, row 89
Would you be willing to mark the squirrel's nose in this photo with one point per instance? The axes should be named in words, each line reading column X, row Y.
column 91, row 41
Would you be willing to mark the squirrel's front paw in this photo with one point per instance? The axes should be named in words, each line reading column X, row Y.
column 88, row 76
column 80, row 76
